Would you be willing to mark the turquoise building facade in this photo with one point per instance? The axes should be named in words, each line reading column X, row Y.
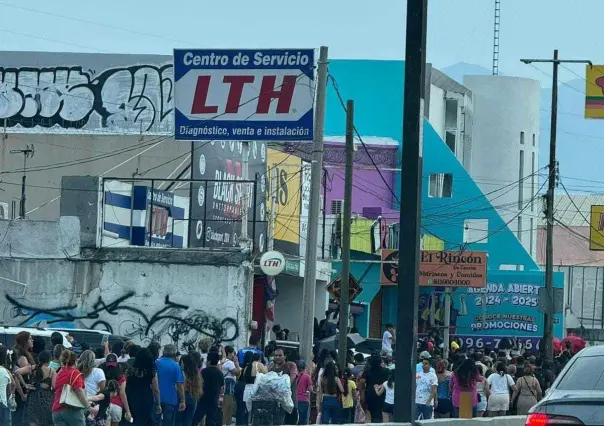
column 377, row 90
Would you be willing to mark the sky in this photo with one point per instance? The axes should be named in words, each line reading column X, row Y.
column 458, row 31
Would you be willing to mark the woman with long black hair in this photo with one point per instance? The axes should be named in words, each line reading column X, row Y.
column 241, row 414
column 24, row 343
column 464, row 380
column 330, row 388
column 38, row 410
column 142, row 388
column 374, row 376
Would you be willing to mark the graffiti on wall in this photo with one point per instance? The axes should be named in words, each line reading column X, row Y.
column 172, row 321
column 125, row 99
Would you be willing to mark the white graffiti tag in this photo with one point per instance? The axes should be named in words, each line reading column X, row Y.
column 129, row 99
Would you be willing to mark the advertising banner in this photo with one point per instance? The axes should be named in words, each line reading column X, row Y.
column 305, row 205
column 441, row 268
column 216, row 211
column 244, row 94
column 506, row 307
column 126, row 219
column 287, row 169
column 596, row 228
column 594, row 91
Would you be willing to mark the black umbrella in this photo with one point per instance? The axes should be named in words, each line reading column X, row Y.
column 331, row 343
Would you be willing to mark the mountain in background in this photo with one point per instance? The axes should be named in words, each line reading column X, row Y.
column 580, row 142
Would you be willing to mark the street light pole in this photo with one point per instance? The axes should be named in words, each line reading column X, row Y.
column 547, row 351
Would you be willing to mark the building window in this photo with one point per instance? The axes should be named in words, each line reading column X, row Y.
column 520, row 229
column 337, row 206
column 521, row 138
column 533, row 139
column 450, row 141
column 476, row 231
column 531, row 236
column 521, row 181
column 451, row 113
column 533, row 188
column 440, row 185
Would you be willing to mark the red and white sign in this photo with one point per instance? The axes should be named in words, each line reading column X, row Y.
column 243, row 94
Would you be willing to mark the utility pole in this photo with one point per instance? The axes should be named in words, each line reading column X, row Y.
column 547, row 351
column 244, row 239
column 410, row 209
column 446, row 331
column 345, row 282
column 310, row 267
column 28, row 152
column 272, row 179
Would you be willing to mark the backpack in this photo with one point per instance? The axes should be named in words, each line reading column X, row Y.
column 540, row 376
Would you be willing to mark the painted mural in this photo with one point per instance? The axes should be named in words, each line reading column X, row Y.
column 131, row 99
column 171, row 323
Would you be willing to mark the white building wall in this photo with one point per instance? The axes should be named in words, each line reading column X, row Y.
column 129, row 297
column 506, row 112
column 437, row 110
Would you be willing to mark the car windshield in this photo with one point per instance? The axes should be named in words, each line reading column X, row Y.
column 586, row 373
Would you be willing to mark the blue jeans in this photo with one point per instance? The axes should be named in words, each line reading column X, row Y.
column 5, row 415
column 185, row 418
column 330, row 410
column 303, row 412
column 169, row 412
column 424, row 412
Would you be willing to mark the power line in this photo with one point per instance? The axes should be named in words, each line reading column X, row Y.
column 100, row 24
column 337, row 90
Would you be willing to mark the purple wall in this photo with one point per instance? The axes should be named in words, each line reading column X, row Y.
column 368, row 189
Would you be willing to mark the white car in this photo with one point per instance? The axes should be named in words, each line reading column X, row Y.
column 7, row 335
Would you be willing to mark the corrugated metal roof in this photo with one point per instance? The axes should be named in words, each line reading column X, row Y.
column 573, row 211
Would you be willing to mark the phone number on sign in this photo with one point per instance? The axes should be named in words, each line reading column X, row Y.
column 492, row 342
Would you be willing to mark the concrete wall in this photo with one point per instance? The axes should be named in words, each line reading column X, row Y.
column 288, row 304
column 170, row 295
column 437, row 110
column 496, row 421
column 503, row 108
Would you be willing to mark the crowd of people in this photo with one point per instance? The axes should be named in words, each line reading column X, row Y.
column 506, row 381
column 114, row 385
column 124, row 383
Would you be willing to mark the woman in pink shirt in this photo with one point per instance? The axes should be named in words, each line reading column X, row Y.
column 304, row 387
column 464, row 380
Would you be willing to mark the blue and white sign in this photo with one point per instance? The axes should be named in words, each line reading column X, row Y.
column 134, row 216
column 261, row 95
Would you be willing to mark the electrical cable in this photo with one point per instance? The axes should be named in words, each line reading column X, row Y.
column 334, row 83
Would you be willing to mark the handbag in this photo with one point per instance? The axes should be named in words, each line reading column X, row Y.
column 359, row 414
column 68, row 396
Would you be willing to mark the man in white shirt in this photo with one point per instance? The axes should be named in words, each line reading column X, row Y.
column 426, row 384
column 424, row 356
column 388, row 339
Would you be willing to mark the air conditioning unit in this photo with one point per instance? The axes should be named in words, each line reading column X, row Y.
column 4, row 211
column 337, row 206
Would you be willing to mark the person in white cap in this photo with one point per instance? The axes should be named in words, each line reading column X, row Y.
column 425, row 355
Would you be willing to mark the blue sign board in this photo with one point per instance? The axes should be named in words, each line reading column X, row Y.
column 265, row 94
column 506, row 307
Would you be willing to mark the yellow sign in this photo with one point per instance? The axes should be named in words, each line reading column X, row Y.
column 287, row 171
column 594, row 92
column 596, row 228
